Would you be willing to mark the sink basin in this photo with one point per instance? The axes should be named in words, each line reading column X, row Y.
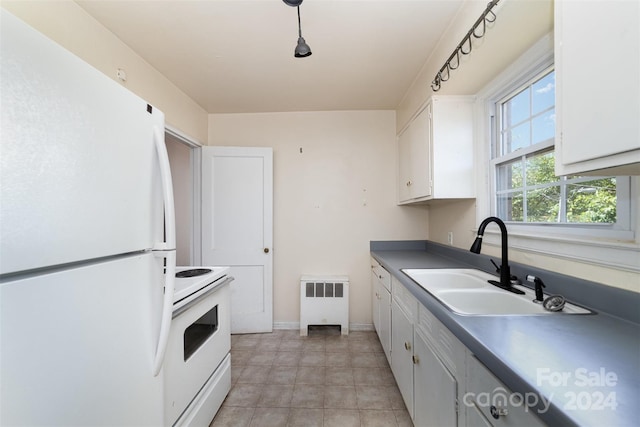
column 466, row 291
column 444, row 279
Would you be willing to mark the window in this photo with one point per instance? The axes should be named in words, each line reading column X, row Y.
column 591, row 220
column 526, row 190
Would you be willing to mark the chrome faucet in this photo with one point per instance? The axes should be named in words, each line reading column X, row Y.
column 505, row 271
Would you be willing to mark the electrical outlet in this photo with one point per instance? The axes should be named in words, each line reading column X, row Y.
column 450, row 237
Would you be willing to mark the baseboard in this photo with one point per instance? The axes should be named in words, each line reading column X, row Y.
column 361, row 327
column 296, row 325
column 286, row 325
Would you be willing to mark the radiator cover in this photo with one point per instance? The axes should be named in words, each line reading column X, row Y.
column 324, row 300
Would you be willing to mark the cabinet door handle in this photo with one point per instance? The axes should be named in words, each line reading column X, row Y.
column 407, row 345
column 409, row 183
column 416, row 359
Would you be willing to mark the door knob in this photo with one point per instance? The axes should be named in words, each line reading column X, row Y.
column 266, row 250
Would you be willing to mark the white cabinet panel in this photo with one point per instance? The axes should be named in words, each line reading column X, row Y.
column 414, row 158
column 401, row 353
column 381, row 306
column 404, row 165
column 385, row 322
column 597, row 64
column 435, row 388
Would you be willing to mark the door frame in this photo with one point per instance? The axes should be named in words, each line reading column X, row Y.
column 195, row 160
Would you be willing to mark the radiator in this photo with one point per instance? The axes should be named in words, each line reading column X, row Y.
column 324, row 300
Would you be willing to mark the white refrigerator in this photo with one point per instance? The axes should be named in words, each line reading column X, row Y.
column 87, row 239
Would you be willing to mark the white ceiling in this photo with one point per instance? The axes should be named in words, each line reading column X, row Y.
column 233, row 56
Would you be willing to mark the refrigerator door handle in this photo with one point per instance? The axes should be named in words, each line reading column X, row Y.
column 167, row 192
column 166, row 250
column 167, row 309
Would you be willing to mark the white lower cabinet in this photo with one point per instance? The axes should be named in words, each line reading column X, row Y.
column 441, row 382
column 439, row 373
column 493, row 401
column 381, row 305
column 435, row 389
column 402, row 352
column 384, row 299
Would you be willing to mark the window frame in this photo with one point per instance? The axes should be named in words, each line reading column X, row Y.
column 619, row 230
column 599, row 244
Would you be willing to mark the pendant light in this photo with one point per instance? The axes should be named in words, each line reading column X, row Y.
column 302, row 48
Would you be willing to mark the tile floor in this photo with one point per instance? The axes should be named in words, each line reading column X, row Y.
column 281, row 379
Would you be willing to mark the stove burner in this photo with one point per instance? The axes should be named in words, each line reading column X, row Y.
column 194, row 272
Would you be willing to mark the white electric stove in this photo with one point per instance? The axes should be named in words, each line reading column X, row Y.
column 197, row 363
column 190, row 282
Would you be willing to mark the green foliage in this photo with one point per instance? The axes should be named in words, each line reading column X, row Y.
column 591, row 202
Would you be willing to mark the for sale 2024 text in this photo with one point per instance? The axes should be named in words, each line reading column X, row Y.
column 590, row 390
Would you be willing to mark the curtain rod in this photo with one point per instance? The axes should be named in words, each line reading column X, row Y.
column 487, row 16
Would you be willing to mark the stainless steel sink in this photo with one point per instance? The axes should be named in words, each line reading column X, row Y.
column 466, row 291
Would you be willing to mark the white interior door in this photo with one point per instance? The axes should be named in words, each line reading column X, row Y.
column 237, row 229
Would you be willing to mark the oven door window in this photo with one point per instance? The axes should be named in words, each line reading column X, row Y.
column 199, row 332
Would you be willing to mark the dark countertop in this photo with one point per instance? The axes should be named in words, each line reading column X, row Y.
column 598, row 354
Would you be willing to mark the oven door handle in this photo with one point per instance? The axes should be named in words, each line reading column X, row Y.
column 196, row 300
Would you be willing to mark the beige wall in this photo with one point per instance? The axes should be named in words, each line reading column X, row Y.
column 457, row 217
column 69, row 25
column 330, row 200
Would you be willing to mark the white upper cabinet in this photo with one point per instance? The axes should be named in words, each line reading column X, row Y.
column 414, row 158
column 435, row 152
column 597, row 60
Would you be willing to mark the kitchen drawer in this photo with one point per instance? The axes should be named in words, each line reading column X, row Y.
column 374, row 263
column 405, row 300
column 488, row 394
column 383, row 276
